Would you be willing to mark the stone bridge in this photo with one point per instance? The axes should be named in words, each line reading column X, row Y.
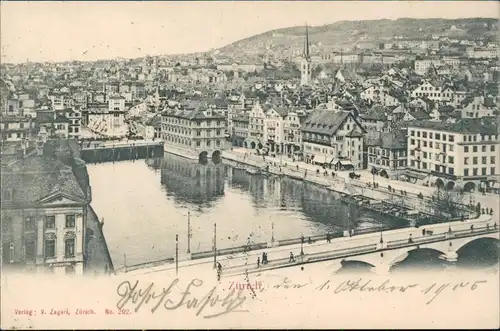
column 447, row 244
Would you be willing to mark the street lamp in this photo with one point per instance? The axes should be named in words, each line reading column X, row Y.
column 302, row 245
column 215, row 245
column 272, row 232
column 176, row 254
column 189, row 233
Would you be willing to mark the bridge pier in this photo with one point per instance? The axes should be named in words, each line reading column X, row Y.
column 335, row 266
column 381, row 269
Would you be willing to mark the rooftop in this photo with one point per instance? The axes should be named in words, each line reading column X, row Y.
column 36, row 177
column 467, row 126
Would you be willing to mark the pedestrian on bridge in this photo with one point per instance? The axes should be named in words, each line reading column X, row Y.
column 292, row 258
column 328, row 239
column 258, row 261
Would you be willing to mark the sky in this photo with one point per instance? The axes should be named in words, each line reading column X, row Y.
column 65, row 31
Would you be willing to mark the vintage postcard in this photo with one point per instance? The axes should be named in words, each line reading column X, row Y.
column 250, row 165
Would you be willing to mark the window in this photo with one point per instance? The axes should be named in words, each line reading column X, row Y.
column 466, row 149
column 425, row 155
column 438, row 136
column 50, row 222
column 451, row 138
column 29, row 224
column 430, row 135
column 474, row 149
column 474, row 171
column 483, row 171
column 466, row 160
column 70, row 221
column 50, row 248
column 492, row 170
column 474, row 160
column 492, row 148
column 466, row 172
column 6, row 224
column 424, row 134
column 412, row 133
column 418, row 133
column 425, row 143
column 451, row 171
column 451, row 159
column 412, row 141
column 492, row 160
column 451, row 148
column 69, row 247
column 483, row 148
column 484, row 160
column 430, row 144
column 29, row 250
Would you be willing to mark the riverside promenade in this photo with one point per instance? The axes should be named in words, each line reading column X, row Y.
column 342, row 183
column 339, row 249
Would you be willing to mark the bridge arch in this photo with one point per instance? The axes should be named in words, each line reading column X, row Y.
column 450, row 185
column 439, row 183
column 492, row 237
column 416, row 254
column 355, row 263
column 216, row 157
column 469, row 187
column 203, row 158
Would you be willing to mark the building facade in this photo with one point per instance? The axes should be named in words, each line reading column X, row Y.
column 43, row 230
column 462, row 154
column 200, row 129
column 329, row 137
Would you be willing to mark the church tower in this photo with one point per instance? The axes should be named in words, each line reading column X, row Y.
column 306, row 65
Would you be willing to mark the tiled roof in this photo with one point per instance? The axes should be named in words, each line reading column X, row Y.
column 469, row 126
column 324, row 121
column 36, row 177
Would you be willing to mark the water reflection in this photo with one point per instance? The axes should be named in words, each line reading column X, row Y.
column 145, row 204
column 190, row 182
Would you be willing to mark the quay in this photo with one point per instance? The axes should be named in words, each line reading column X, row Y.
column 381, row 250
column 122, row 150
column 410, row 207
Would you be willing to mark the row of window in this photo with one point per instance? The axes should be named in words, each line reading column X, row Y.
column 437, row 136
column 475, row 149
column 484, row 160
column 49, row 222
column 173, row 120
column 49, row 249
column 387, row 163
column 451, row 171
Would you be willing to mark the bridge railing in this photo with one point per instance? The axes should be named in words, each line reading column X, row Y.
column 346, row 252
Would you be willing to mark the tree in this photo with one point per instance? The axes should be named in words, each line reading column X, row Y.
column 446, row 203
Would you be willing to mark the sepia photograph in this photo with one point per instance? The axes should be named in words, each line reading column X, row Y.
column 249, row 164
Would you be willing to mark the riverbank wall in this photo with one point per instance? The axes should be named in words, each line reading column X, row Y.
column 120, row 151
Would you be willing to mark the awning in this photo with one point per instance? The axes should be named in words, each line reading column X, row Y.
column 334, row 161
column 414, row 174
column 346, row 163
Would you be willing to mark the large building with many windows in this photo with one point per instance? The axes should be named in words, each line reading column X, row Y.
column 463, row 154
column 198, row 129
column 333, row 138
column 43, row 214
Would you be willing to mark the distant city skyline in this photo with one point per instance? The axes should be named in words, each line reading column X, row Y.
column 88, row 31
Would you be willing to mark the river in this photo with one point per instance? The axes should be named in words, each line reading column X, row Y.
column 145, row 204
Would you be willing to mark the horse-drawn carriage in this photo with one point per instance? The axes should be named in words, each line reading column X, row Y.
column 353, row 175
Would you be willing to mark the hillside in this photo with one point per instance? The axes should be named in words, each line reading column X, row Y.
column 347, row 34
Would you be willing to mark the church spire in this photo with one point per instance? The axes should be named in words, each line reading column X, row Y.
column 306, row 44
